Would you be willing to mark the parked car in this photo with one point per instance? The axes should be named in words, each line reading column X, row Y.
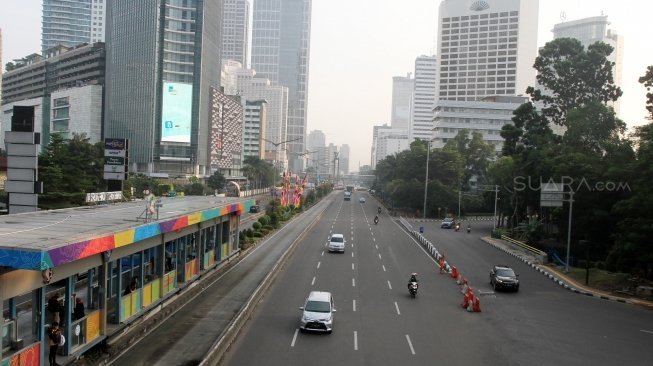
column 447, row 223
column 503, row 277
column 317, row 312
column 337, row 243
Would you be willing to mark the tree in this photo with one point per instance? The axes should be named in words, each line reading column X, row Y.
column 647, row 81
column 475, row 152
column 216, row 181
column 572, row 77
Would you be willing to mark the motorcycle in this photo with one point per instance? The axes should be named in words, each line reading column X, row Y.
column 469, row 229
column 378, row 210
column 457, row 227
column 376, row 220
column 412, row 288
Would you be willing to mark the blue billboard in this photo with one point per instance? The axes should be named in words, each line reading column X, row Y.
column 176, row 112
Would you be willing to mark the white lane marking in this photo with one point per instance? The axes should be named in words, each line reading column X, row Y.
column 380, row 256
column 318, row 264
column 355, row 341
column 323, row 253
column 410, row 344
column 354, row 305
column 352, row 254
column 377, row 247
column 383, row 267
column 353, row 282
column 313, row 282
column 294, row 338
column 327, row 243
column 646, row 331
column 374, row 239
column 352, row 266
column 389, row 285
column 397, row 307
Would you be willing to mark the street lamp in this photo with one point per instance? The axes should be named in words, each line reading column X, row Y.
column 426, row 178
column 276, row 145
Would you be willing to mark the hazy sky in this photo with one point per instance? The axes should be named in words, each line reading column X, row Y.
column 357, row 46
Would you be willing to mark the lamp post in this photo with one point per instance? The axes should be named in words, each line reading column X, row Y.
column 276, row 145
column 426, row 178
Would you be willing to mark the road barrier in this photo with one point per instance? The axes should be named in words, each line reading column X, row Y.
column 542, row 256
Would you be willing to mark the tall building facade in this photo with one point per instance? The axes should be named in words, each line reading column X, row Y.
column 254, row 128
column 485, row 48
column 344, row 158
column 72, row 22
column 316, row 138
column 162, row 59
column 280, row 52
column 235, row 31
column 421, row 123
column 402, row 100
column 592, row 30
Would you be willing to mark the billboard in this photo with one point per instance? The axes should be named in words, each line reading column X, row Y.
column 176, row 112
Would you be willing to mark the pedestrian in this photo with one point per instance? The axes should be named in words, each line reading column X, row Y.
column 54, row 338
column 54, row 307
column 442, row 264
column 79, row 309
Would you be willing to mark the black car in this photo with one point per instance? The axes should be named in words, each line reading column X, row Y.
column 503, row 277
column 447, row 223
column 255, row 209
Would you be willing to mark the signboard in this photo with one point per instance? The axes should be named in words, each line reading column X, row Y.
column 114, row 168
column 552, row 194
column 114, row 176
column 114, row 160
column 115, row 144
column 121, row 153
column 103, row 196
column 176, row 112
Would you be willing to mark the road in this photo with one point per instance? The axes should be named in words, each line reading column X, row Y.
column 377, row 323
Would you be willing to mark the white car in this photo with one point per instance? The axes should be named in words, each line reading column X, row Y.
column 337, row 243
column 361, row 200
column 317, row 312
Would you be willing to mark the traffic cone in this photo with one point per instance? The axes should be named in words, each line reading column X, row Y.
column 477, row 305
column 441, row 264
column 466, row 300
column 465, row 287
column 454, row 272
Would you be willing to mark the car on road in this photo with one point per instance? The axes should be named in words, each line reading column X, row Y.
column 337, row 243
column 255, row 209
column 317, row 312
column 361, row 200
column 504, row 278
column 447, row 223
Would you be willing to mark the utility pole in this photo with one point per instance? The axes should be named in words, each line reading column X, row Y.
column 276, row 145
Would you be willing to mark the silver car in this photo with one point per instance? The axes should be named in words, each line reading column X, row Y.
column 317, row 312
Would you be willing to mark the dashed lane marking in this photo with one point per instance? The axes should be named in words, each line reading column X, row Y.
column 397, row 307
column 383, row 267
column 410, row 344
column 313, row 282
column 294, row 338
column 318, row 265
column 354, row 305
column 646, row 331
column 389, row 285
column 353, row 282
column 355, row 341
column 352, row 266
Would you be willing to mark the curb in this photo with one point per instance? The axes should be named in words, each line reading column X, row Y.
column 556, row 278
column 439, row 220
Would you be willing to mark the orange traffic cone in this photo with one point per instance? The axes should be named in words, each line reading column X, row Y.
column 465, row 287
column 466, row 301
column 477, row 305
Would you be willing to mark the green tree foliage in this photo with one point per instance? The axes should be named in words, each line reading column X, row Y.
column 572, row 77
column 216, row 181
column 141, row 182
column 476, row 154
column 258, row 171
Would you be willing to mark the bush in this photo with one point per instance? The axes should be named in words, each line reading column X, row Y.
column 258, row 235
column 268, row 227
column 264, row 231
column 256, row 225
column 274, row 219
column 249, row 233
column 264, row 220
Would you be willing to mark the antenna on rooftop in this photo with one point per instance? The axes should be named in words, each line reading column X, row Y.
column 563, row 16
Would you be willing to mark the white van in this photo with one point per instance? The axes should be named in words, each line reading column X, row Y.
column 317, row 312
column 337, row 243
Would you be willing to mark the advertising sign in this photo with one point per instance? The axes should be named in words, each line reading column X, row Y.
column 114, row 160
column 176, row 112
column 115, row 144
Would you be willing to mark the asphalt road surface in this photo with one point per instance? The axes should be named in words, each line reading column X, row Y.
column 378, row 323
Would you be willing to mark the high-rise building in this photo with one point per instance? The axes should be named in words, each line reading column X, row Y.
column 72, row 22
column 485, row 48
column 592, row 30
column 235, row 31
column 387, row 141
column 162, row 59
column 402, row 100
column 280, row 52
column 254, row 128
column 344, row 158
column 1, row 64
column 316, row 138
column 421, row 123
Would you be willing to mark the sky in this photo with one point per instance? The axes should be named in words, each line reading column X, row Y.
column 357, row 46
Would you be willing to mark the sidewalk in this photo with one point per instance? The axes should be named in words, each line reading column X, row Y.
column 559, row 277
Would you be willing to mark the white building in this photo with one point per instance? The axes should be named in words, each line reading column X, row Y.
column 486, row 116
column 486, row 47
column 591, row 30
column 388, row 141
column 421, row 124
column 316, row 138
column 254, row 128
column 402, row 100
column 344, row 159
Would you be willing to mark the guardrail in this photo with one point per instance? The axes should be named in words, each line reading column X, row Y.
column 540, row 254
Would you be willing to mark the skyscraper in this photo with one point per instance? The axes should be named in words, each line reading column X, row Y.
column 344, row 159
column 235, row 31
column 162, row 59
column 591, row 30
column 486, row 47
column 316, row 138
column 402, row 100
column 72, row 22
column 280, row 52
column 421, row 122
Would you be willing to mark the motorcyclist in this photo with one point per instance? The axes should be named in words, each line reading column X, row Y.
column 413, row 278
column 378, row 209
column 469, row 228
column 376, row 219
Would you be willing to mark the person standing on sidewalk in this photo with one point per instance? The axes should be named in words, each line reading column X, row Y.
column 54, row 338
